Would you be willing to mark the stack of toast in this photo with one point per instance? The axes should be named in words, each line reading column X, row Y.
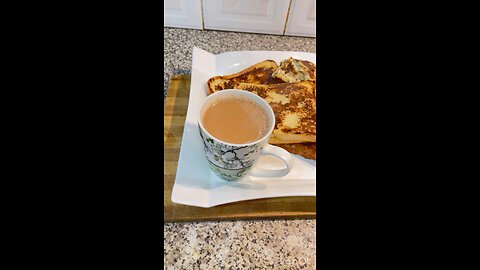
column 290, row 89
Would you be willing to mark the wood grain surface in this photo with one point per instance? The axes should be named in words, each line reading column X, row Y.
column 174, row 115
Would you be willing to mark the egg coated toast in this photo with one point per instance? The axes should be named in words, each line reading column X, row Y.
column 306, row 150
column 294, row 106
column 260, row 73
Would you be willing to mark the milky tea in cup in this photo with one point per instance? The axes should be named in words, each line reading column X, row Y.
column 236, row 120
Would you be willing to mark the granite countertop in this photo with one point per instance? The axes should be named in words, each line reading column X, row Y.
column 259, row 244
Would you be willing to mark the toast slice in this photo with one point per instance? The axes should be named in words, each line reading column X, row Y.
column 260, row 73
column 295, row 70
column 294, row 106
column 306, row 150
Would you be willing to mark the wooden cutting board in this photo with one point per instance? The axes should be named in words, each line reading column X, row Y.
column 175, row 112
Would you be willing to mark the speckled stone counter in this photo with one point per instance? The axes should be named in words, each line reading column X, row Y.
column 274, row 244
column 260, row 244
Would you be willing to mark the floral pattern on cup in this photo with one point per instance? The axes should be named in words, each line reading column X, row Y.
column 227, row 161
column 228, row 174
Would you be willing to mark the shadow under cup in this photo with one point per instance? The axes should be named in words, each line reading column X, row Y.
column 228, row 160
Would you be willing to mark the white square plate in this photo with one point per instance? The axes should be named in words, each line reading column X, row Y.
column 195, row 184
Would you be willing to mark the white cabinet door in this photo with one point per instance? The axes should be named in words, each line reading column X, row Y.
column 302, row 18
column 257, row 16
column 182, row 13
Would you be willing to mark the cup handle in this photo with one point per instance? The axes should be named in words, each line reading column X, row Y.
column 279, row 153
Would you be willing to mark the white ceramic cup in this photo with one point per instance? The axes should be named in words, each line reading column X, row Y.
column 232, row 161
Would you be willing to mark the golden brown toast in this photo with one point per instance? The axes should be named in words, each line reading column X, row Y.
column 260, row 73
column 295, row 70
column 306, row 150
column 294, row 105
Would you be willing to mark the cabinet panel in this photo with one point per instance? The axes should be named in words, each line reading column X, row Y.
column 182, row 13
column 256, row 16
column 302, row 18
